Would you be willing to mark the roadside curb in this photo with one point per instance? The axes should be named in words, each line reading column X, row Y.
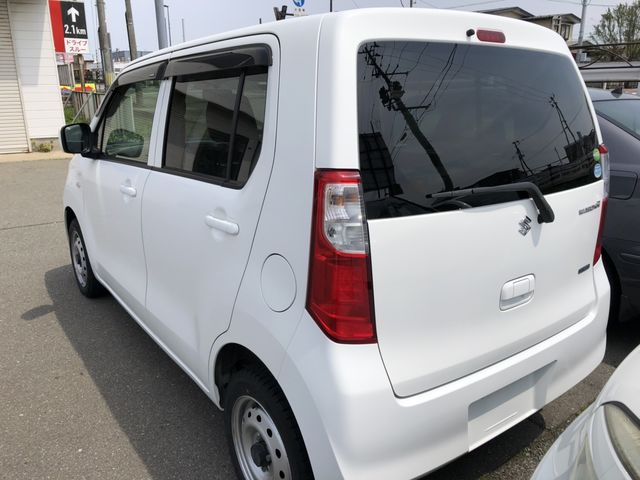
column 34, row 156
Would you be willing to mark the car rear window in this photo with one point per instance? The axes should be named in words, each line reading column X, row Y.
column 436, row 117
column 625, row 113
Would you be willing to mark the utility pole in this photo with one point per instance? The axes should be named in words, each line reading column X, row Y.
column 169, row 24
column 410, row 3
column 331, row 5
column 183, row 37
column 583, row 20
column 160, row 25
column 128, row 15
column 392, row 99
column 80, row 63
column 105, row 46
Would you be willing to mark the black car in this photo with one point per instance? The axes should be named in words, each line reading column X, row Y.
column 619, row 118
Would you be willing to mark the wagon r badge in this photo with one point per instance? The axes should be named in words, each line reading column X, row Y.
column 525, row 226
column 590, row 208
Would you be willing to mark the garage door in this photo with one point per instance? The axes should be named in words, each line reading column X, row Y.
column 13, row 136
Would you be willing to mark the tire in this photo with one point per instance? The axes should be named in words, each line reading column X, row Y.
column 87, row 283
column 263, row 435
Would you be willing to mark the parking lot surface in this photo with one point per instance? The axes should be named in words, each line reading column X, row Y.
column 87, row 394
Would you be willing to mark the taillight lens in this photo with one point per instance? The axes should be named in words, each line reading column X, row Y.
column 339, row 297
column 604, row 161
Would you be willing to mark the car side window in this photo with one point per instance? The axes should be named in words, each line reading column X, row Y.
column 128, row 119
column 216, row 124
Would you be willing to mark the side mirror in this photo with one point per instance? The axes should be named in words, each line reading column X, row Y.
column 76, row 138
column 124, row 143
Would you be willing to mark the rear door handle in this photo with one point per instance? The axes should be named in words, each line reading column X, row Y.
column 516, row 292
column 223, row 225
column 128, row 190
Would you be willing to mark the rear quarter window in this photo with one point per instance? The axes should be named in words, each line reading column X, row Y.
column 216, row 125
column 436, row 117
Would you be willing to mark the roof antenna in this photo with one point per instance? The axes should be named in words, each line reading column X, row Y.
column 617, row 91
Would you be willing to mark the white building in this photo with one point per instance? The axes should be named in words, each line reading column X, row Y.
column 30, row 103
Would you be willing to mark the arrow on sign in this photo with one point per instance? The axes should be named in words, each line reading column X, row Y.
column 73, row 13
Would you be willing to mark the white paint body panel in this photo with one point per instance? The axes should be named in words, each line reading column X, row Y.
column 438, row 280
column 114, row 224
column 337, row 391
column 589, row 430
column 194, row 270
column 373, row 434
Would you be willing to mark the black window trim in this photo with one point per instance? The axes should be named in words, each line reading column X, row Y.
column 244, row 56
column 153, row 71
column 241, row 73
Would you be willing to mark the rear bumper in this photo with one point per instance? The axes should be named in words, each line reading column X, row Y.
column 355, row 427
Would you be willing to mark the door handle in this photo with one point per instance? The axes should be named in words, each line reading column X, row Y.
column 223, row 225
column 128, row 190
column 517, row 292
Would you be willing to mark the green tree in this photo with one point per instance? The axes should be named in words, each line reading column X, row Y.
column 620, row 24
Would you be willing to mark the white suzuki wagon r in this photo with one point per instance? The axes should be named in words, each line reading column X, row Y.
column 371, row 237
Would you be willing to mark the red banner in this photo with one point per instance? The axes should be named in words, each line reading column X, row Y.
column 56, row 25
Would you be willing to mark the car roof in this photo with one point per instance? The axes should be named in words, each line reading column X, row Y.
column 598, row 94
column 525, row 34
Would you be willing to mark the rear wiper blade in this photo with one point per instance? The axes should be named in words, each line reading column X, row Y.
column 545, row 212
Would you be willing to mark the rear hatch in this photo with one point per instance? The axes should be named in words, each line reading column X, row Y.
column 463, row 281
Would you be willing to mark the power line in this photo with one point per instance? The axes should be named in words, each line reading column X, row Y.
column 391, row 98
column 588, row 3
column 475, row 3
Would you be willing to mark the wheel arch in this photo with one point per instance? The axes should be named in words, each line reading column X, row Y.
column 231, row 358
column 69, row 216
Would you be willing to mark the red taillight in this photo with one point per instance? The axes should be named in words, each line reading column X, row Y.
column 603, row 214
column 491, row 36
column 604, row 162
column 339, row 297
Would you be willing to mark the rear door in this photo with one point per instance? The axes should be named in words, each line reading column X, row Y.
column 201, row 205
column 461, row 283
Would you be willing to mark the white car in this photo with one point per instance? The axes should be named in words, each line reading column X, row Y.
column 371, row 237
column 604, row 441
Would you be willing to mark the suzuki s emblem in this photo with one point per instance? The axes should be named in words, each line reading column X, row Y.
column 525, row 226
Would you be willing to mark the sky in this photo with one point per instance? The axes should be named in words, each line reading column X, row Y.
column 206, row 17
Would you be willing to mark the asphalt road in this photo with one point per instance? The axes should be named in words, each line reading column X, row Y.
column 85, row 393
